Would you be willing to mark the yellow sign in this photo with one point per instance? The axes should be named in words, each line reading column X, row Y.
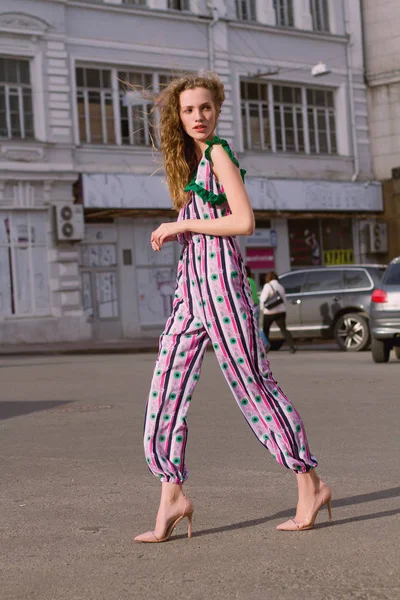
column 338, row 257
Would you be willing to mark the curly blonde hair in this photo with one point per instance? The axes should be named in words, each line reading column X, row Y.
column 177, row 146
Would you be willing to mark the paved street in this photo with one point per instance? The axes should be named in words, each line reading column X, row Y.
column 75, row 487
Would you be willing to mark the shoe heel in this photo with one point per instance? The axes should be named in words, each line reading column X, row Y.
column 329, row 506
column 190, row 520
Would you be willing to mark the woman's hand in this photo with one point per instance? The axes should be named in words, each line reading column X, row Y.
column 167, row 232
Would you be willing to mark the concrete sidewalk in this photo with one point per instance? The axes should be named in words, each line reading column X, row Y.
column 75, row 487
column 128, row 346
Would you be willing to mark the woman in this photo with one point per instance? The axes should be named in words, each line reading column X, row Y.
column 274, row 313
column 256, row 301
column 212, row 302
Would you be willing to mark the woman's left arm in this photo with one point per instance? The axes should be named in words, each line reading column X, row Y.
column 240, row 222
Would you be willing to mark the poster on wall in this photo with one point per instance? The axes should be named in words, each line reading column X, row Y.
column 304, row 242
column 156, row 293
column 155, row 276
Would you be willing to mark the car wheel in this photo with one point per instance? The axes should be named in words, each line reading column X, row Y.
column 352, row 332
column 397, row 352
column 380, row 350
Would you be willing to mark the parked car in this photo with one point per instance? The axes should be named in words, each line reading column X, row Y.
column 330, row 303
column 385, row 314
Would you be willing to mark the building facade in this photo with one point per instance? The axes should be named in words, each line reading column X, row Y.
column 381, row 22
column 81, row 186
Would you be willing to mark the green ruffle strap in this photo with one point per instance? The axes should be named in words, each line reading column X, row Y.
column 206, row 195
column 225, row 145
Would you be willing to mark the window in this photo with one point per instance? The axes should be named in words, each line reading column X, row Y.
column 292, row 282
column 337, row 241
column 323, row 281
column 320, row 15
column 255, row 115
column 178, row 4
column 135, row 2
column 284, row 13
column 24, row 287
column 112, row 108
column 137, row 122
column 392, row 275
column 304, row 242
column 288, row 115
column 95, row 106
column 274, row 118
column 246, row 10
column 356, row 279
column 16, row 113
column 321, row 122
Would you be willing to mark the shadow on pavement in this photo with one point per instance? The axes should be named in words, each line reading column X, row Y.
column 8, row 410
column 284, row 514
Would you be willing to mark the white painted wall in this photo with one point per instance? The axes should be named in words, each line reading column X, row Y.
column 382, row 43
column 58, row 34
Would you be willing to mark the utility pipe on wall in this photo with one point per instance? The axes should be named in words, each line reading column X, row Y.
column 211, row 25
column 349, row 65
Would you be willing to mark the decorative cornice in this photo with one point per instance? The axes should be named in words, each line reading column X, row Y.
column 22, row 24
column 383, row 78
column 21, row 153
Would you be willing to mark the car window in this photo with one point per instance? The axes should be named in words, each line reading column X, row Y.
column 377, row 273
column 357, row 278
column 392, row 275
column 292, row 282
column 322, row 281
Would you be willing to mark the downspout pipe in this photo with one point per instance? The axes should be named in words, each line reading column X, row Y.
column 211, row 25
column 349, row 66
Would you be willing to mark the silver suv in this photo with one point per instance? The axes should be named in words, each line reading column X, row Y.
column 385, row 314
column 330, row 303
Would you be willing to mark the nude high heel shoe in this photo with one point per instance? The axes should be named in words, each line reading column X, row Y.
column 293, row 525
column 150, row 537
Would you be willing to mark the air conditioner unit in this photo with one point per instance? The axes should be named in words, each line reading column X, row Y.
column 70, row 224
column 378, row 242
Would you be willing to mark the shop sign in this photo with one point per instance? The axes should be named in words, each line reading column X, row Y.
column 260, row 258
column 128, row 190
column 339, row 257
column 262, row 238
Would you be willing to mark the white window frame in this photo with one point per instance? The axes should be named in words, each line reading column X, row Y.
column 320, row 8
column 246, row 10
column 105, row 93
column 327, row 112
column 302, row 109
column 26, row 245
column 17, row 90
column 116, row 94
column 284, row 5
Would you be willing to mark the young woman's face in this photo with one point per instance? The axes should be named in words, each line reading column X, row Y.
column 198, row 113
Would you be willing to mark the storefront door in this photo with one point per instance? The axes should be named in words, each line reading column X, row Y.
column 100, row 289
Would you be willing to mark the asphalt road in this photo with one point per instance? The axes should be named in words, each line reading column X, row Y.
column 75, row 488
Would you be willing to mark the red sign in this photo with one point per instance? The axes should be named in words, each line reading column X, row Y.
column 260, row 258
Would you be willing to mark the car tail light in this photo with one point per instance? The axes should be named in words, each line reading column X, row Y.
column 379, row 296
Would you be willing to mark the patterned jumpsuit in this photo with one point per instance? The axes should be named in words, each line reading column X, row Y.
column 213, row 302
